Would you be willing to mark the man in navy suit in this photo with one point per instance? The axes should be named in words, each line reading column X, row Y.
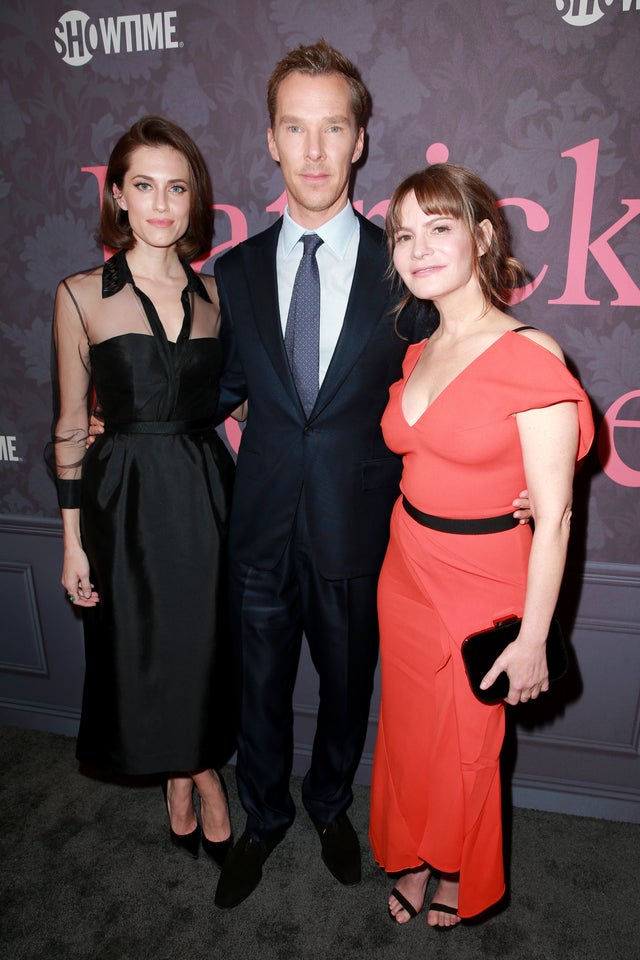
column 313, row 493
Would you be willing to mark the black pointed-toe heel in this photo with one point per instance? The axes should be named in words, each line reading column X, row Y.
column 189, row 842
column 218, row 850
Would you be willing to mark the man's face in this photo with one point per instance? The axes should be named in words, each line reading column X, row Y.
column 315, row 140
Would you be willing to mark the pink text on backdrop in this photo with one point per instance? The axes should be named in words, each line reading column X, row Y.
column 585, row 157
column 612, row 463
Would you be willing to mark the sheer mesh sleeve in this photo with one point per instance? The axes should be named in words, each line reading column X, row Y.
column 71, row 386
column 205, row 317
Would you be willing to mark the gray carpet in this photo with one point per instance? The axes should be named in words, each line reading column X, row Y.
column 88, row 874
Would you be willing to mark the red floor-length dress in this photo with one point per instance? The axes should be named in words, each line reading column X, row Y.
column 435, row 793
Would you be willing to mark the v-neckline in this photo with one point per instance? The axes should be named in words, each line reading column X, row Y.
column 158, row 330
column 448, row 385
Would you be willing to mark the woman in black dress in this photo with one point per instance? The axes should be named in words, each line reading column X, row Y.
column 144, row 510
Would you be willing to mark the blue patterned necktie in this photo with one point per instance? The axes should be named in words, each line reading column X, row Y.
column 302, row 333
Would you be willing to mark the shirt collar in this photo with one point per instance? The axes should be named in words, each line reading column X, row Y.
column 336, row 233
column 116, row 274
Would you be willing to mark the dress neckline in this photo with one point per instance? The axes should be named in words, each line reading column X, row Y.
column 451, row 382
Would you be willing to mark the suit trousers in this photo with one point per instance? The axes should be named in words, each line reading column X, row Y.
column 270, row 610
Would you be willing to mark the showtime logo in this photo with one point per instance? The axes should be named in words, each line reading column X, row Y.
column 77, row 38
column 584, row 13
column 8, row 449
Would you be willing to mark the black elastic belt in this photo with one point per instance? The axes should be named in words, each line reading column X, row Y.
column 448, row 525
column 158, row 427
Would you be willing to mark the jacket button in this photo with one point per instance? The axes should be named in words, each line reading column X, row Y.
column 307, row 431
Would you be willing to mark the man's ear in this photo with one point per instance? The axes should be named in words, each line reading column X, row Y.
column 359, row 146
column 273, row 148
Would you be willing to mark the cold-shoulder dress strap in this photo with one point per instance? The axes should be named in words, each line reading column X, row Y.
column 518, row 329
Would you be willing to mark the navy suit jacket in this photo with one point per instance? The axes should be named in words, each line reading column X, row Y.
column 337, row 459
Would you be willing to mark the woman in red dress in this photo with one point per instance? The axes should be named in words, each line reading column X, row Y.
column 486, row 406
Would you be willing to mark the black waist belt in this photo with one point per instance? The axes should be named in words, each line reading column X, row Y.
column 158, row 427
column 448, row 525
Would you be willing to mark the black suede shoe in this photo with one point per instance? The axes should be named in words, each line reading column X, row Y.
column 242, row 870
column 340, row 849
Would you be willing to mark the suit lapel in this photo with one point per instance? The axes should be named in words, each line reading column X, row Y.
column 365, row 306
column 263, row 286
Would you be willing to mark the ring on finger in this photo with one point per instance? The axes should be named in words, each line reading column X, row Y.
column 72, row 597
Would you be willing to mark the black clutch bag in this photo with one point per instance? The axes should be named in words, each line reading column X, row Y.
column 481, row 650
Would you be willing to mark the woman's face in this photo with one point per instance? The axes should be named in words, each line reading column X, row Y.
column 156, row 193
column 433, row 253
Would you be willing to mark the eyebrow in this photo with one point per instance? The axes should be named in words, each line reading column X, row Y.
column 147, row 176
column 338, row 118
column 431, row 217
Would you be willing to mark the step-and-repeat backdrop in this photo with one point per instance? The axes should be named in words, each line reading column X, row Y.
column 539, row 96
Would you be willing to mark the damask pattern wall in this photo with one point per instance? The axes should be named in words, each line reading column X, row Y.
column 539, row 96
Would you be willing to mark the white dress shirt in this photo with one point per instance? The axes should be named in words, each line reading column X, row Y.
column 336, row 260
